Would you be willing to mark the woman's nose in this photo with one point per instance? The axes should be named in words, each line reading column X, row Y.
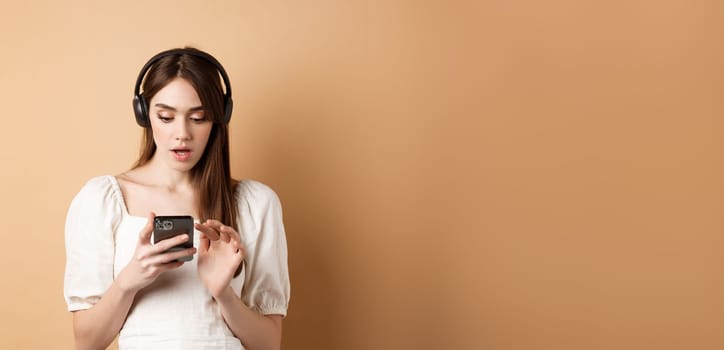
column 182, row 130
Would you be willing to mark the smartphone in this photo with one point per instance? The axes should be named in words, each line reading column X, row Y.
column 165, row 227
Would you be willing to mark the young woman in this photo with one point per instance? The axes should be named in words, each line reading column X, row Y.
column 234, row 292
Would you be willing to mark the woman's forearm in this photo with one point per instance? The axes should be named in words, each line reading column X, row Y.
column 255, row 331
column 95, row 328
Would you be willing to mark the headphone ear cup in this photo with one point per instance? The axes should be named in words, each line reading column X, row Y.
column 228, row 107
column 141, row 111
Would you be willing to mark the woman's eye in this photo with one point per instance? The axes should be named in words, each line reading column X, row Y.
column 198, row 120
column 165, row 119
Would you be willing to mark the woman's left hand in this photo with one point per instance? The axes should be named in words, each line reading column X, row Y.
column 220, row 253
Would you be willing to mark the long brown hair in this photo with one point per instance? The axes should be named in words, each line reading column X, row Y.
column 211, row 176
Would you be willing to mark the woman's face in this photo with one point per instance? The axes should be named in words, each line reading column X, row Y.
column 180, row 129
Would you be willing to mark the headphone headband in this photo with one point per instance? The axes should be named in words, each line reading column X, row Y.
column 140, row 106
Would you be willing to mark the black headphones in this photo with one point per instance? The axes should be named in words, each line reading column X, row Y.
column 140, row 105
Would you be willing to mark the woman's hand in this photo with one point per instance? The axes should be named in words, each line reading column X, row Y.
column 149, row 260
column 220, row 253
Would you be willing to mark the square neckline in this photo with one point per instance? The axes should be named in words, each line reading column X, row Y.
column 122, row 201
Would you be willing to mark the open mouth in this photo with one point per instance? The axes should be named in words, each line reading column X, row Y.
column 181, row 154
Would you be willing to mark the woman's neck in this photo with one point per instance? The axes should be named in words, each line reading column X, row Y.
column 162, row 175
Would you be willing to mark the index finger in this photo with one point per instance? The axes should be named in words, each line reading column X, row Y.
column 144, row 237
column 208, row 231
column 218, row 225
column 231, row 232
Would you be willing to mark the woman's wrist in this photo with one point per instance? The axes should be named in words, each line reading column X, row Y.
column 226, row 296
column 126, row 289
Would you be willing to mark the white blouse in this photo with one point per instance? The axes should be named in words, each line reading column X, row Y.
column 175, row 311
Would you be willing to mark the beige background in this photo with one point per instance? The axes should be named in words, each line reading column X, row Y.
column 455, row 175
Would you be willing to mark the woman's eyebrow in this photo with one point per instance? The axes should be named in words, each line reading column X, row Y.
column 165, row 106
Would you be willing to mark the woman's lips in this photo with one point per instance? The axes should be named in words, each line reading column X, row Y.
column 181, row 155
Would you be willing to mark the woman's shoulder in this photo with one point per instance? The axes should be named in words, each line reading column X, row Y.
column 98, row 185
column 98, row 193
column 254, row 192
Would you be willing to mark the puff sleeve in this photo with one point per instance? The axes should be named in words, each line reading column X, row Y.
column 266, row 283
column 90, row 224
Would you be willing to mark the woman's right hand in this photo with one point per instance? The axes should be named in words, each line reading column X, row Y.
column 149, row 260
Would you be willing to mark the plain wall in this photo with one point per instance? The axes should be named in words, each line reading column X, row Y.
column 454, row 175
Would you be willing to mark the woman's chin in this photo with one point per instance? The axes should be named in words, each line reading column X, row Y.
column 181, row 166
